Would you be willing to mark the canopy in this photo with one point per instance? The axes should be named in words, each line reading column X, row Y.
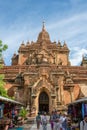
column 10, row 100
column 84, row 99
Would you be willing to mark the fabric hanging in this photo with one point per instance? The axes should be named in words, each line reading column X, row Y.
column 83, row 110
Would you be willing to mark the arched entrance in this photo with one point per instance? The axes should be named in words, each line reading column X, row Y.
column 43, row 102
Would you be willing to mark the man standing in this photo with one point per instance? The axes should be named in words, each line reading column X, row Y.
column 38, row 120
column 83, row 123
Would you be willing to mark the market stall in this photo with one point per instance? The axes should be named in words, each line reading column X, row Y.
column 78, row 109
column 8, row 105
column 8, row 109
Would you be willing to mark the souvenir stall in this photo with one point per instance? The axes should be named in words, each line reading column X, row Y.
column 8, row 106
column 78, row 109
column 7, row 110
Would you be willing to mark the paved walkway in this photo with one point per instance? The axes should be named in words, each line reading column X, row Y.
column 35, row 128
column 32, row 126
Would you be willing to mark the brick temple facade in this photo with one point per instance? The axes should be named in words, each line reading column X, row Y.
column 42, row 77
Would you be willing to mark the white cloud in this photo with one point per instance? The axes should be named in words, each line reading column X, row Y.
column 77, row 54
column 69, row 28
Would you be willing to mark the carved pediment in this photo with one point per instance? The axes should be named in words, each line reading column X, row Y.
column 40, row 57
column 43, row 83
column 47, row 57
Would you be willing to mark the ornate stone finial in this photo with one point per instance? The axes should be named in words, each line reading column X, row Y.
column 43, row 28
column 54, row 41
column 64, row 45
column 28, row 42
column 22, row 42
column 82, row 56
column 59, row 43
column 14, row 53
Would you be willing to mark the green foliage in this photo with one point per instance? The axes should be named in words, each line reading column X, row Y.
column 3, row 92
column 23, row 113
column 13, row 98
column 1, row 66
column 2, row 48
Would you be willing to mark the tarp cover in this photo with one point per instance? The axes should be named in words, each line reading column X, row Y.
column 9, row 100
column 84, row 99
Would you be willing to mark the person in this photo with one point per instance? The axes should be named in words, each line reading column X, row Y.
column 38, row 120
column 83, row 123
column 51, row 120
column 63, row 120
column 13, row 113
column 75, row 124
column 69, row 124
column 56, row 120
column 44, row 121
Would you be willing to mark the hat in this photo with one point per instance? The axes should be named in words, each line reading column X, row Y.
column 65, row 113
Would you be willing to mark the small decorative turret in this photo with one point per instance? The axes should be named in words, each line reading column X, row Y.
column 84, row 60
column 14, row 55
column 65, row 45
column 22, row 44
column 28, row 43
column 68, row 81
column 59, row 44
column 14, row 59
column 2, row 62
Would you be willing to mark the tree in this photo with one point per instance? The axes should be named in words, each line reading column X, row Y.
column 3, row 92
column 2, row 48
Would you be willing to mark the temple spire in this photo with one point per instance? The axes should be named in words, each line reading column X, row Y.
column 43, row 28
column 43, row 35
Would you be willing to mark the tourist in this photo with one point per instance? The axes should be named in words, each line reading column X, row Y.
column 69, row 124
column 51, row 120
column 63, row 121
column 83, row 123
column 44, row 121
column 56, row 120
column 38, row 120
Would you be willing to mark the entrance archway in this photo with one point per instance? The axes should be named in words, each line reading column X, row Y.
column 43, row 102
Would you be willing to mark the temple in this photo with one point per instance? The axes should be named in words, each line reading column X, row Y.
column 42, row 77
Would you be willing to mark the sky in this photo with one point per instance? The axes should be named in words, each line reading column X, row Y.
column 65, row 20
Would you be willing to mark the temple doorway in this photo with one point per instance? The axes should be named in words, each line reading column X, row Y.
column 43, row 102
